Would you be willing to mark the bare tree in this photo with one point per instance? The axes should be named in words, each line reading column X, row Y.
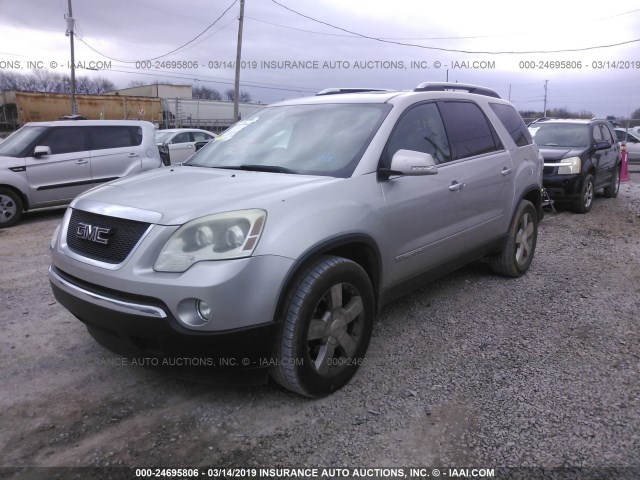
column 244, row 96
column 44, row 80
column 100, row 85
column 9, row 80
column 207, row 93
column 83, row 85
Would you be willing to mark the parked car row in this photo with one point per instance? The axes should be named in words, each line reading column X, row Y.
column 47, row 164
column 296, row 225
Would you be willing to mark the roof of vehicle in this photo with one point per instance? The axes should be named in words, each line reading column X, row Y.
column 88, row 123
column 180, row 130
column 633, row 133
column 585, row 121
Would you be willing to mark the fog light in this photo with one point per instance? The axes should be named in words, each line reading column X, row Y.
column 204, row 310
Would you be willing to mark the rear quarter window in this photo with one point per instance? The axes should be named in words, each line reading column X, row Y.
column 115, row 137
column 512, row 121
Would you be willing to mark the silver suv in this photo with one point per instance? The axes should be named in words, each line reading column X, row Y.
column 276, row 244
column 45, row 164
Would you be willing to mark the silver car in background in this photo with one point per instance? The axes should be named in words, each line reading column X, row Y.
column 45, row 164
column 631, row 139
column 283, row 237
column 178, row 144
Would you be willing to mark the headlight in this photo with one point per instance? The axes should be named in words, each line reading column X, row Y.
column 570, row 165
column 214, row 237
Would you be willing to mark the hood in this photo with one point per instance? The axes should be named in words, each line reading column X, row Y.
column 558, row 153
column 182, row 193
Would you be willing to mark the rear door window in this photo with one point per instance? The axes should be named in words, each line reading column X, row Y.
column 468, row 129
column 184, row 137
column 200, row 137
column 116, row 137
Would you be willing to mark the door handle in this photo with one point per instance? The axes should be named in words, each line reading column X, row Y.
column 455, row 186
column 82, row 161
column 506, row 171
column 133, row 155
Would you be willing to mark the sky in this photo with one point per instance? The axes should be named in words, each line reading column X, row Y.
column 588, row 58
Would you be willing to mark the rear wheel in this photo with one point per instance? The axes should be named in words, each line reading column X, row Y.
column 326, row 328
column 10, row 208
column 585, row 202
column 611, row 190
column 516, row 257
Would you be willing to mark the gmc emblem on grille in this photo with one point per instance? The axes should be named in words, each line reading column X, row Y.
column 92, row 233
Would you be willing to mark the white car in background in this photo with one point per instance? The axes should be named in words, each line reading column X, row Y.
column 178, row 144
column 632, row 139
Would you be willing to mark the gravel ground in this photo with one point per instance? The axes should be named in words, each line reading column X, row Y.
column 473, row 370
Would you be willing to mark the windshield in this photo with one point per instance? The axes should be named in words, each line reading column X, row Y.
column 560, row 134
column 17, row 142
column 326, row 139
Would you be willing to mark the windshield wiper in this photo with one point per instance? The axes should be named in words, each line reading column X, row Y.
column 252, row 168
column 259, row 168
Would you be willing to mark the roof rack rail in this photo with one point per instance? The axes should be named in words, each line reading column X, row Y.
column 441, row 87
column 540, row 119
column 336, row 91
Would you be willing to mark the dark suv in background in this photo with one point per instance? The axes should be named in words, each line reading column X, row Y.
column 580, row 157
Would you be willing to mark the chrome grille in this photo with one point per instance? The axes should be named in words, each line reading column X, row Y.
column 123, row 235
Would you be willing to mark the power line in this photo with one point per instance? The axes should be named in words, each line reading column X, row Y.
column 382, row 38
column 168, row 53
column 405, row 44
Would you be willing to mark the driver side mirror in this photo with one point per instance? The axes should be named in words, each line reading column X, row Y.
column 604, row 145
column 41, row 151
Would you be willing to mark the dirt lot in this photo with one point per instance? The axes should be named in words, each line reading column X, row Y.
column 473, row 370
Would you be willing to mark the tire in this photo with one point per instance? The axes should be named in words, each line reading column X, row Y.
column 585, row 202
column 611, row 190
column 10, row 208
column 516, row 257
column 326, row 328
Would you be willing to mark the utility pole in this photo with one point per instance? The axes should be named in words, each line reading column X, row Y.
column 70, row 28
column 236, row 95
column 545, row 98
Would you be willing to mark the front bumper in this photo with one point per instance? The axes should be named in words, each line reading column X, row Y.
column 563, row 188
column 143, row 327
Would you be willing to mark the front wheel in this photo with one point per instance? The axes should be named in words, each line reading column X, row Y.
column 10, row 208
column 326, row 327
column 516, row 257
column 585, row 202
